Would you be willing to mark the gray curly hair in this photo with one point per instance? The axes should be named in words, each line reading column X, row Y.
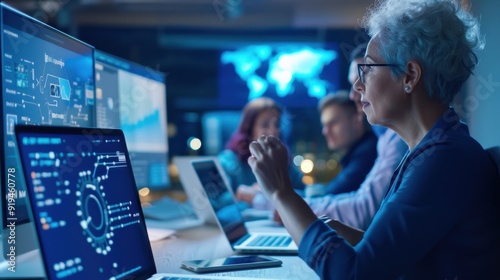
column 440, row 34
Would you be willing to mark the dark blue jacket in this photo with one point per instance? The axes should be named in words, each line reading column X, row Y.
column 355, row 165
column 440, row 218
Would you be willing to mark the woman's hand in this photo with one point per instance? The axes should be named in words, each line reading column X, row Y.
column 269, row 163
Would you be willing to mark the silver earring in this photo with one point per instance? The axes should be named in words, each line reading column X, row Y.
column 407, row 89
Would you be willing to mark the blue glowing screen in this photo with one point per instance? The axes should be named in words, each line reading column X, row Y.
column 296, row 75
column 133, row 98
column 47, row 78
column 221, row 199
column 84, row 199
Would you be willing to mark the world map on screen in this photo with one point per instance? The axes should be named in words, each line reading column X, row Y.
column 280, row 69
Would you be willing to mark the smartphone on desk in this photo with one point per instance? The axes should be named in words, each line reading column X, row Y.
column 230, row 263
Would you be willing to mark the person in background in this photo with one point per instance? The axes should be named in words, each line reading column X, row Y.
column 357, row 208
column 261, row 116
column 347, row 132
column 440, row 216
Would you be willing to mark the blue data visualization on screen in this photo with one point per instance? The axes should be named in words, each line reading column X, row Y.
column 133, row 98
column 84, row 199
column 43, row 82
column 47, row 79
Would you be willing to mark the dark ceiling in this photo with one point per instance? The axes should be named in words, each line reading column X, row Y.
column 198, row 13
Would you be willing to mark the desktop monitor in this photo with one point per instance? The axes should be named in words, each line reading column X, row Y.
column 47, row 79
column 132, row 97
column 293, row 74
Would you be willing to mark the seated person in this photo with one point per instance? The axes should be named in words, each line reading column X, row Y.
column 439, row 219
column 261, row 116
column 357, row 208
column 347, row 132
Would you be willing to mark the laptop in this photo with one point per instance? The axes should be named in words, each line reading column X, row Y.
column 85, row 206
column 192, row 187
column 191, row 184
column 230, row 219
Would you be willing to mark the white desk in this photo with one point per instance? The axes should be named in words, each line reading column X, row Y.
column 196, row 243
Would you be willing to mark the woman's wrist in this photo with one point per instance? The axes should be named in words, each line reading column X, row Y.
column 282, row 196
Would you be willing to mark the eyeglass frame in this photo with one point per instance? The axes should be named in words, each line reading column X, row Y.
column 361, row 72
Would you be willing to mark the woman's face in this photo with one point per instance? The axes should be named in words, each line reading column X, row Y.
column 267, row 123
column 353, row 77
column 382, row 96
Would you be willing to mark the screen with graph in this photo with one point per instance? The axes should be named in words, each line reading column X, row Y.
column 132, row 97
column 293, row 74
column 91, row 207
column 47, row 79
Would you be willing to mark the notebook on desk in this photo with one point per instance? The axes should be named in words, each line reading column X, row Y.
column 230, row 219
column 85, row 206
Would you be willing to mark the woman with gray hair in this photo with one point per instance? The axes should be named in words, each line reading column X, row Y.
column 440, row 218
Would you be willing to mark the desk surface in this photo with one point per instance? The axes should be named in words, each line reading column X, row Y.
column 196, row 243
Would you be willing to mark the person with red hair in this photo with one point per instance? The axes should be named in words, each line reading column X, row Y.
column 261, row 116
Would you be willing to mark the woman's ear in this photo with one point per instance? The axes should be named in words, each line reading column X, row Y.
column 412, row 76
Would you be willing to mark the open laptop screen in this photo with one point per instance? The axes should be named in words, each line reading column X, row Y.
column 84, row 199
column 221, row 199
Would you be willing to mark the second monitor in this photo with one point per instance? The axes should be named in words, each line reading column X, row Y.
column 132, row 97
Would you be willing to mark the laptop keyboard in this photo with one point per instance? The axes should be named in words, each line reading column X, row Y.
column 271, row 241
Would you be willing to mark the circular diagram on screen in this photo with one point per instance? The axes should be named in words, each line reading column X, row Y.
column 93, row 214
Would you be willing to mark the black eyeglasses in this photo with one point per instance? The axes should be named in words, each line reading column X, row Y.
column 365, row 68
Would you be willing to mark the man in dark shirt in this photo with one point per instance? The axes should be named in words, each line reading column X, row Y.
column 347, row 132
